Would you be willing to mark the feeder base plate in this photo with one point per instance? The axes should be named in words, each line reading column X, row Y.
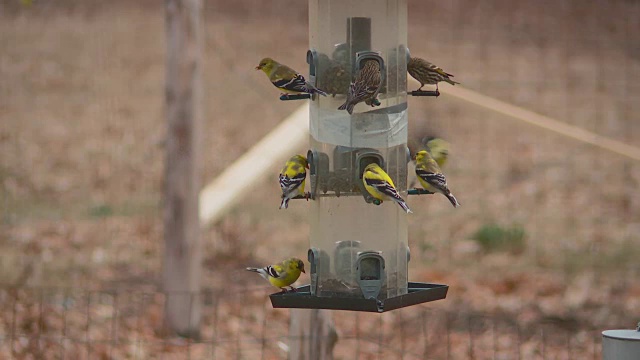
column 302, row 299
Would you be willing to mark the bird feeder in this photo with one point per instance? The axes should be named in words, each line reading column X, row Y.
column 359, row 251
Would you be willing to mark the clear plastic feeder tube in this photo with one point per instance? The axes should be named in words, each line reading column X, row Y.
column 351, row 236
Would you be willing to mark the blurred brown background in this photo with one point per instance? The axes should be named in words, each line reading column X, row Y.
column 547, row 239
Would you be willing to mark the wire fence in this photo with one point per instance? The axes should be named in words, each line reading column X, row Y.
column 68, row 323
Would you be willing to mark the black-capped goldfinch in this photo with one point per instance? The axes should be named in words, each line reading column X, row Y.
column 431, row 178
column 380, row 186
column 292, row 179
column 286, row 79
column 282, row 275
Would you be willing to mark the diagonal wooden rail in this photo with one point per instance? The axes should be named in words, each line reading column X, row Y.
column 224, row 191
column 545, row 122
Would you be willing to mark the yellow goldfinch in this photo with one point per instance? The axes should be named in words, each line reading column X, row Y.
column 427, row 73
column 431, row 178
column 282, row 275
column 364, row 87
column 380, row 186
column 286, row 79
column 439, row 150
column 292, row 179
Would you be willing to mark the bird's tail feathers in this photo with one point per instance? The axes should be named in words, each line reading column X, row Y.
column 349, row 107
column 451, row 81
column 453, row 200
column 343, row 106
column 285, row 203
column 314, row 89
column 405, row 207
column 260, row 271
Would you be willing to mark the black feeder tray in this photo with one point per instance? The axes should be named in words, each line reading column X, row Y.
column 287, row 97
column 302, row 299
column 425, row 93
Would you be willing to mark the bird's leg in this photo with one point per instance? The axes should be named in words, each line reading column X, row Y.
column 284, row 290
column 420, row 88
column 293, row 289
column 307, row 195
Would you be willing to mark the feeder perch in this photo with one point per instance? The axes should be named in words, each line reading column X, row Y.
column 287, row 97
column 419, row 192
column 435, row 93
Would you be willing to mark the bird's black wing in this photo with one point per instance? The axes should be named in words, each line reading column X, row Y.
column 273, row 271
column 384, row 187
column 433, row 179
column 298, row 83
column 291, row 184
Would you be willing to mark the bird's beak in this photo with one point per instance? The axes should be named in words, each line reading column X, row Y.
column 258, row 67
column 304, row 271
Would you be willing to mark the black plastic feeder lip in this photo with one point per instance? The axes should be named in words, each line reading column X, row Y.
column 303, row 299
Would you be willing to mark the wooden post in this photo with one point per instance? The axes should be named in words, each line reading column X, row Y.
column 312, row 335
column 183, row 95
